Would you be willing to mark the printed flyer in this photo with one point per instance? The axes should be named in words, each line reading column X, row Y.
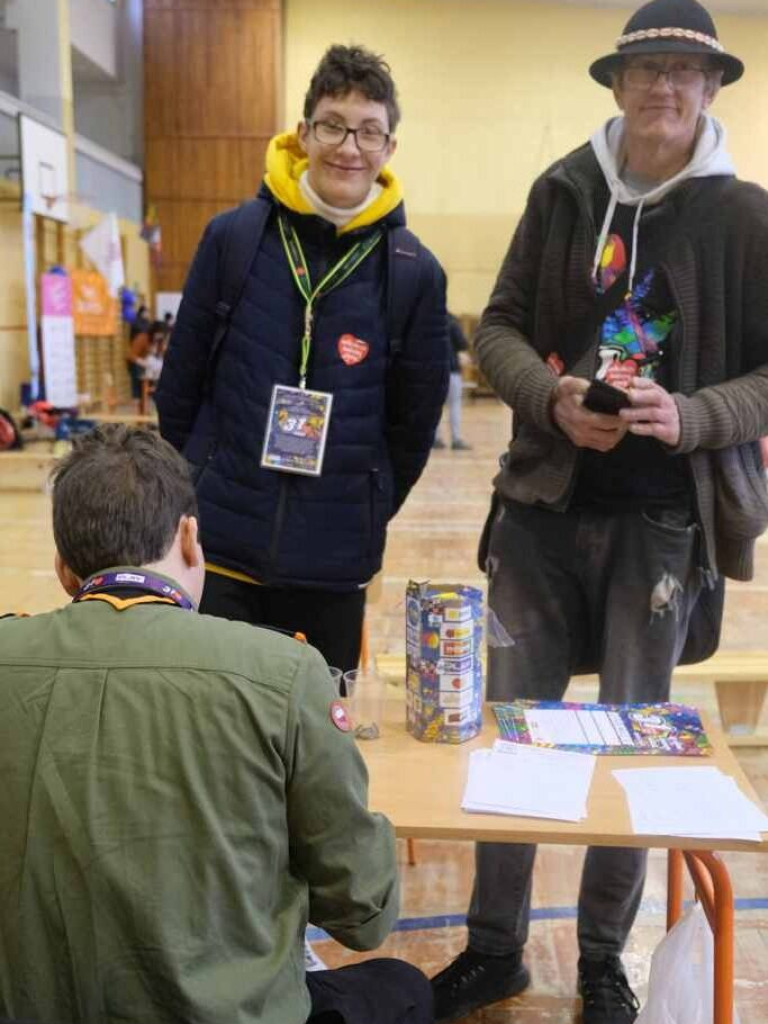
column 671, row 729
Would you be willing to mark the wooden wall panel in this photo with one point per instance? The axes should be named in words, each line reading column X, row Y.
column 212, row 84
column 223, row 170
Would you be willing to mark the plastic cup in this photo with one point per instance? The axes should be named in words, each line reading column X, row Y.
column 336, row 678
column 365, row 698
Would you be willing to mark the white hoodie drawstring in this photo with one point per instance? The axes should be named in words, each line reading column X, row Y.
column 613, row 203
column 635, row 245
column 710, row 157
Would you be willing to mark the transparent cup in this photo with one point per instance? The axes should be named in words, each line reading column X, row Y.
column 365, row 698
column 336, row 678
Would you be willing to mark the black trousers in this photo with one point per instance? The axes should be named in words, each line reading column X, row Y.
column 331, row 621
column 374, row 992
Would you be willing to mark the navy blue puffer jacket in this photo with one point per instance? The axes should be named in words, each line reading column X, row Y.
column 278, row 528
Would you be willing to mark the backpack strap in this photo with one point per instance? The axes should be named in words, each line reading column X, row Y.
column 241, row 243
column 403, row 278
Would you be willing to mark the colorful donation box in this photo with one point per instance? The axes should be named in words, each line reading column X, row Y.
column 444, row 675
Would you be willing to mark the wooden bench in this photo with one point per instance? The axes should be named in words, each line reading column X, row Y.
column 29, row 468
column 134, row 419
column 739, row 680
column 26, row 470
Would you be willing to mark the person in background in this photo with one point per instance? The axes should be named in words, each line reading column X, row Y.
column 153, row 361
column 628, row 331
column 139, row 348
column 459, row 358
column 180, row 794
column 310, row 423
column 140, row 323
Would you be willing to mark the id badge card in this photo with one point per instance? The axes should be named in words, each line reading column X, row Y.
column 297, row 429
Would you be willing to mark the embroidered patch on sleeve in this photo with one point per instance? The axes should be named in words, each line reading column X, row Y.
column 339, row 717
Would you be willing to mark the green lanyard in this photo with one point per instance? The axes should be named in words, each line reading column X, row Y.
column 349, row 262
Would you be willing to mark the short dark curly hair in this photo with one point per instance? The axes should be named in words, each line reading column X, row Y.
column 118, row 498
column 344, row 68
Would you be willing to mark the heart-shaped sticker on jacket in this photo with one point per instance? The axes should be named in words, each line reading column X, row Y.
column 352, row 350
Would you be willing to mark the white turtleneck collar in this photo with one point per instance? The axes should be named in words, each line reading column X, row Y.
column 337, row 215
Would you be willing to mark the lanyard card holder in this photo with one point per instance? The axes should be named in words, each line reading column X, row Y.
column 297, row 429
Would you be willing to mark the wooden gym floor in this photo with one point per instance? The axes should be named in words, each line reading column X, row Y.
column 435, row 536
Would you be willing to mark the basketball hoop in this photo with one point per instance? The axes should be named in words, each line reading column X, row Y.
column 44, row 169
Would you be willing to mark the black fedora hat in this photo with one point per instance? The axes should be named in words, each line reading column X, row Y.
column 668, row 26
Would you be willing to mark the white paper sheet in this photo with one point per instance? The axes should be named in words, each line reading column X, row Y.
column 529, row 781
column 700, row 802
column 577, row 727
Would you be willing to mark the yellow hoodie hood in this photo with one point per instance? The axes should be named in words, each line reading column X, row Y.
column 286, row 162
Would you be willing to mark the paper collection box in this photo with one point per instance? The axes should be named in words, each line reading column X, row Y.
column 444, row 675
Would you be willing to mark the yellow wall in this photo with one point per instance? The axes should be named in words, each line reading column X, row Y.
column 14, row 363
column 492, row 92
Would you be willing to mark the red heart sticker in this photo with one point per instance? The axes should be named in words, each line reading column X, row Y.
column 339, row 717
column 352, row 350
column 556, row 364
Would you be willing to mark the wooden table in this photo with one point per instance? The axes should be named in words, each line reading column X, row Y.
column 739, row 679
column 419, row 786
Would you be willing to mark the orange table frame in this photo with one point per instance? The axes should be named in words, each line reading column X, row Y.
column 714, row 891
column 398, row 764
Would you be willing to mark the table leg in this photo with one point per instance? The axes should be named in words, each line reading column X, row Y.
column 713, row 888
column 674, row 887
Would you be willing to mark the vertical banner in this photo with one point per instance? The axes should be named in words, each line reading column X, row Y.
column 102, row 247
column 94, row 311
column 58, row 333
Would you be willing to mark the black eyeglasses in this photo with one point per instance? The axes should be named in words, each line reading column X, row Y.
column 369, row 138
column 644, row 76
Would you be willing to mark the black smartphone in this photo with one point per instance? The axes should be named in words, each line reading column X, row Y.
column 605, row 398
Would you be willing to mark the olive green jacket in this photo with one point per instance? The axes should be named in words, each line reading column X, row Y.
column 175, row 803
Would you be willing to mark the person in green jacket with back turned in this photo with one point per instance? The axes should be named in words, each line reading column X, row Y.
column 181, row 794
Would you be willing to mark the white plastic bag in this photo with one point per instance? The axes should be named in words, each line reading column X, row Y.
column 680, row 987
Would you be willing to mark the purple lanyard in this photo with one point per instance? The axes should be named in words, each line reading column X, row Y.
column 130, row 580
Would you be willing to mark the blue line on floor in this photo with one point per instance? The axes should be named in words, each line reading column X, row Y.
column 417, row 924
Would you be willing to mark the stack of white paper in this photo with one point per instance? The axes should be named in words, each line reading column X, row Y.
column 699, row 801
column 528, row 781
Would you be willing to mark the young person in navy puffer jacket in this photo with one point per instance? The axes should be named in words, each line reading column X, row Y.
column 284, row 549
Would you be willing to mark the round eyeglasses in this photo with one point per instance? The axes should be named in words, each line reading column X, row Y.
column 644, row 76
column 368, row 138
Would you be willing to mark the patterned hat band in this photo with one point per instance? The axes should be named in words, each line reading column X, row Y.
column 686, row 34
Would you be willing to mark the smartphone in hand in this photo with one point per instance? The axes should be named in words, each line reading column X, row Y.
column 605, row 398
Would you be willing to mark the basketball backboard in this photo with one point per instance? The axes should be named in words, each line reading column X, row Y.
column 44, row 169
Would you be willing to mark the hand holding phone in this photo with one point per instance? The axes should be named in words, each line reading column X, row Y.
column 605, row 398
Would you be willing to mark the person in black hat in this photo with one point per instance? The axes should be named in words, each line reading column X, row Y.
column 628, row 329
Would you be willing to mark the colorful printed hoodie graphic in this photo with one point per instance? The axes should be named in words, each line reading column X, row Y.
column 633, row 336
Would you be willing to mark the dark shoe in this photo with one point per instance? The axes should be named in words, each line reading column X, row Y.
column 438, row 443
column 474, row 980
column 460, row 446
column 605, row 992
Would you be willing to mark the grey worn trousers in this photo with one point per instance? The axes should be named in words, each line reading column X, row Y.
column 566, row 590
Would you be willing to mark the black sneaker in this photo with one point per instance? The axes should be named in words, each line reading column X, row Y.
column 605, row 992
column 474, row 980
column 438, row 443
column 460, row 446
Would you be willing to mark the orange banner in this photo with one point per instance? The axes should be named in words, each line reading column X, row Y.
column 94, row 310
